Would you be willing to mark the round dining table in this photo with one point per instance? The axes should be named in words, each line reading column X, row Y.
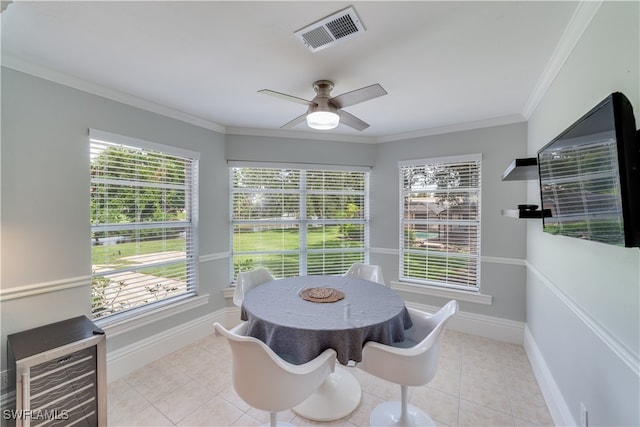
column 300, row 329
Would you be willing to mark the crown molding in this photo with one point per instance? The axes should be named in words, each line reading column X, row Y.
column 10, row 61
column 296, row 134
column 457, row 127
column 582, row 17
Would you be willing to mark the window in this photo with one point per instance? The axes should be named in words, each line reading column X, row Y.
column 298, row 221
column 143, row 223
column 440, row 221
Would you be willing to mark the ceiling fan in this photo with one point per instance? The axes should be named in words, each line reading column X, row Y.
column 325, row 112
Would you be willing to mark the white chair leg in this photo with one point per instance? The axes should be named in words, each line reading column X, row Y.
column 404, row 401
column 273, row 417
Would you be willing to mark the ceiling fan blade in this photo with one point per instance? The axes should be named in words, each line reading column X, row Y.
column 287, row 97
column 294, row 122
column 352, row 121
column 357, row 96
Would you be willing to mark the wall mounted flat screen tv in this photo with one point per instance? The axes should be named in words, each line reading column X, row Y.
column 590, row 176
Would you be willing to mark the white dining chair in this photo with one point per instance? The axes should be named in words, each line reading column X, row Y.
column 248, row 280
column 267, row 382
column 366, row 271
column 413, row 362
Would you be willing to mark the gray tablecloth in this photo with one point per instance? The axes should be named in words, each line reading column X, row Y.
column 299, row 330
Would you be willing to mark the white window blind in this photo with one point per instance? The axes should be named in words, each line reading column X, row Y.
column 143, row 223
column 440, row 222
column 298, row 221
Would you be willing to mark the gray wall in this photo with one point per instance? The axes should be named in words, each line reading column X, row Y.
column 583, row 298
column 45, row 200
column 502, row 238
column 298, row 150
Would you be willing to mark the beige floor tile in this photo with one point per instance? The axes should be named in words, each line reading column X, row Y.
column 215, row 412
column 192, row 360
column 474, row 415
column 474, row 355
column 123, row 403
column 493, row 396
column 216, row 345
column 452, row 336
column 530, row 407
column 479, row 382
column 215, row 377
column 145, row 415
column 154, row 383
column 247, row 421
column 485, row 372
column 446, row 381
column 441, row 407
column 522, row 381
column 514, row 358
column 183, row 401
column 526, row 423
column 450, row 358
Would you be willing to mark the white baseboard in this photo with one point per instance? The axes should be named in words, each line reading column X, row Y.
column 127, row 359
column 481, row 325
column 558, row 408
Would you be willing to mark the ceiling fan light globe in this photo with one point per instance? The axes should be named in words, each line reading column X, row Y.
column 323, row 120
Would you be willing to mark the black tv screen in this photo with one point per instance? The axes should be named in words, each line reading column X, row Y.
column 590, row 176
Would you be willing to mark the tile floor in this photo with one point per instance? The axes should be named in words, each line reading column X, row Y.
column 480, row 382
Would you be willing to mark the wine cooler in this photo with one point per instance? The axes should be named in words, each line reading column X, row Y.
column 58, row 372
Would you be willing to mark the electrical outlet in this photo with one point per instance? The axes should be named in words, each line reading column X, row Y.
column 584, row 415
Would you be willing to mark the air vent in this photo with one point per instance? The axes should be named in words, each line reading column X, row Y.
column 333, row 29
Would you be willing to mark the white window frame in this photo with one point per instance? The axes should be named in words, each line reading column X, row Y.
column 178, row 301
column 303, row 222
column 418, row 163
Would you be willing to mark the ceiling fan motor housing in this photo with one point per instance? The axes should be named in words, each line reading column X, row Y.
column 323, row 90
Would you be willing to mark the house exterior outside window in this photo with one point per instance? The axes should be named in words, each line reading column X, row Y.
column 298, row 221
column 144, row 217
column 440, row 221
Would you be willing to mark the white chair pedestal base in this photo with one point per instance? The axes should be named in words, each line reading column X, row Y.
column 390, row 414
column 338, row 396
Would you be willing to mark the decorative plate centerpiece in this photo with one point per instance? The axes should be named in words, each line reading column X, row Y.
column 321, row 294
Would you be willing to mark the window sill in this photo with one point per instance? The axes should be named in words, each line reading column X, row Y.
column 118, row 326
column 435, row 291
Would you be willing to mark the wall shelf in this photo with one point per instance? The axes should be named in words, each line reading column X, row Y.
column 521, row 169
column 526, row 214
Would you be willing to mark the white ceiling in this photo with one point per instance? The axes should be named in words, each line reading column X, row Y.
column 444, row 64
